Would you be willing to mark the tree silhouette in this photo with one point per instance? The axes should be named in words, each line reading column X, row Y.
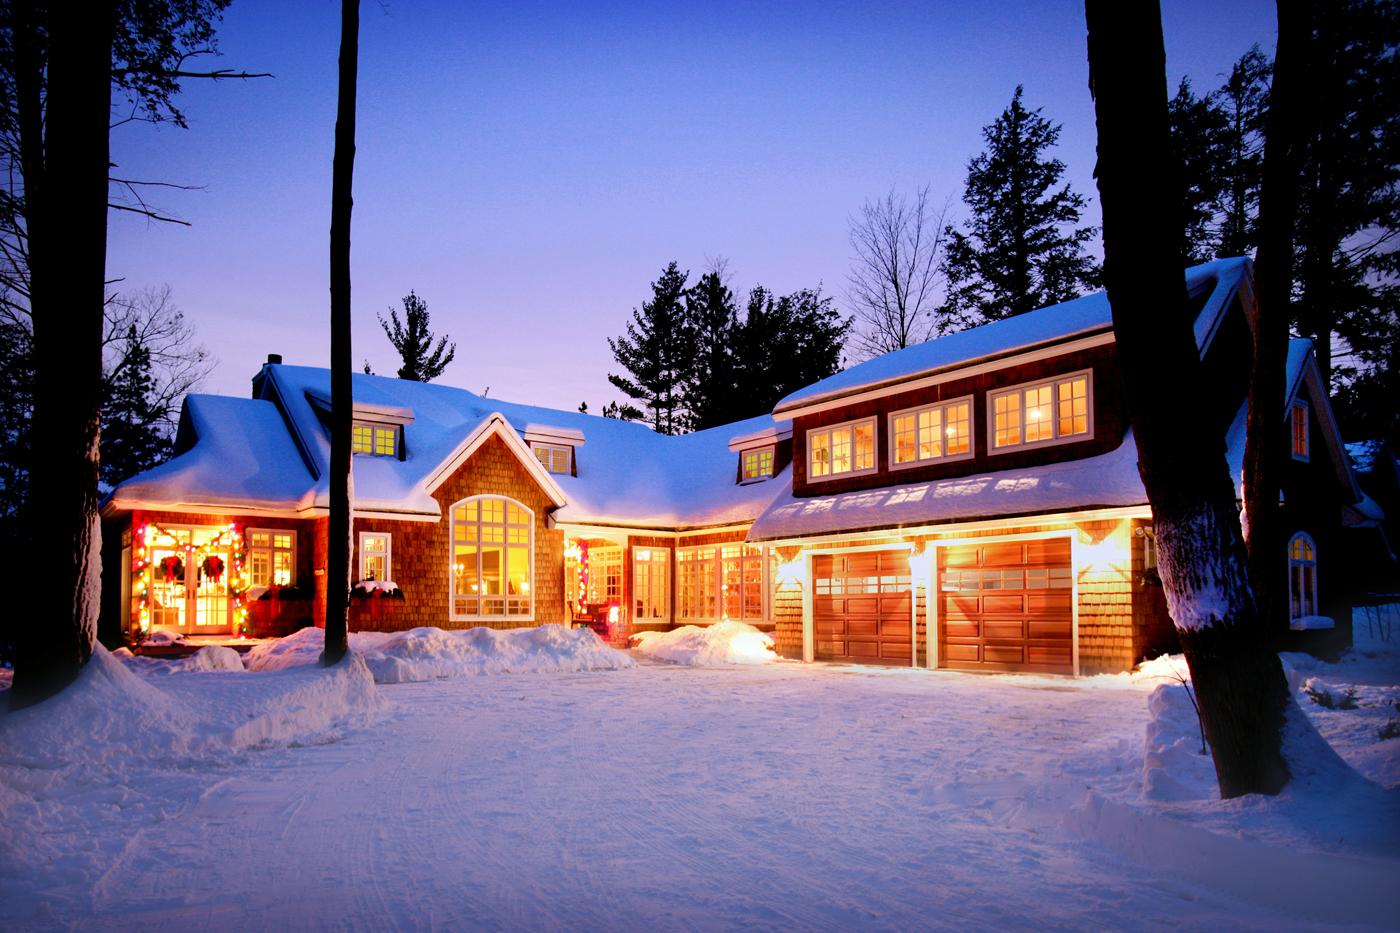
column 422, row 362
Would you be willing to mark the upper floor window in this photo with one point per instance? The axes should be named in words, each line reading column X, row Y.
column 378, row 439
column 757, row 463
column 1298, row 421
column 493, row 542
column 554, row 457
column 1042, row 413
column 939, row 432
column 1302, row 577
column 272, row 557
column 841, row 450
column 375, row 551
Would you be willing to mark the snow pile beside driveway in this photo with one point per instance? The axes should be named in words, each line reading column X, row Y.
column 206, row 660
column 1335, row 828
column 705, row 645
column 432, row 654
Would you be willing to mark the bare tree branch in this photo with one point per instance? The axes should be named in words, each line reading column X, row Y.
column 894, row 277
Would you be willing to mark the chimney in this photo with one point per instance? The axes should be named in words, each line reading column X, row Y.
column 274, row 359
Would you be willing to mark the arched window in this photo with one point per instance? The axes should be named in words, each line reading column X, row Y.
column 1302, row 576
column 493, row 547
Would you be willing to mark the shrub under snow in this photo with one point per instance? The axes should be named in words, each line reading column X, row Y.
column 720, row 643
column 433, row 653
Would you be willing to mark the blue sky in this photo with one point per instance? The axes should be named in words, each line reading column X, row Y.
column 528, row 168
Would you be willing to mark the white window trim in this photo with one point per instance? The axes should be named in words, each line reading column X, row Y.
column 388, row 554
column 946, row 458
column 1306, row 455
column 568, row 456
column 248, row 551
column 452, row 612
column 667, row 609
column 718, row 559
column 874, row 467
column 1316, row 608
column 1058, row 439
column 758, row 451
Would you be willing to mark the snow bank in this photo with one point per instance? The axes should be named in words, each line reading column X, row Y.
column 432, row 653
column 111, row 716
column 703, row 645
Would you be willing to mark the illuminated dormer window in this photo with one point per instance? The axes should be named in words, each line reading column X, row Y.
column 554, row 457
column 380, row 440
column 757, row 464
column 1039, row 414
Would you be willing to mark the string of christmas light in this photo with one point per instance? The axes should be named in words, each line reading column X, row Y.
column 230, row 538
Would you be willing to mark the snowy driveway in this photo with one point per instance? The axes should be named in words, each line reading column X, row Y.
column 787, row 796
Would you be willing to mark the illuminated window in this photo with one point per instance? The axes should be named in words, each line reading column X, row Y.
column 741, row 581
column 697, row 583
column 1302, row 577
column 605, row 575
column 377, row 439
column 841, row 450
column 553, row 457
column 650, row 598
column 1044, row 413
column 758, row 464
column 939, row 432
column 272, row 557
column 1299, row 421
column 492, row 559
column 375, row 551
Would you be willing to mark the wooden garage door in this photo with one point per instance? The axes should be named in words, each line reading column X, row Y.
column 1006, row 606
column 861, row 607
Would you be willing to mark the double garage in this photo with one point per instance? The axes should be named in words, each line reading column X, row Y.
column 999, row 606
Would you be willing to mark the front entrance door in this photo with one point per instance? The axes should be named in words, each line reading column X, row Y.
column 189, row 585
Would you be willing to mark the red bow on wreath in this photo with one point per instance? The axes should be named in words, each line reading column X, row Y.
column 213, row 567
column 174, row 569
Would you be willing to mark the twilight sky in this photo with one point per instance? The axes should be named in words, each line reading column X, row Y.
column 528, row 168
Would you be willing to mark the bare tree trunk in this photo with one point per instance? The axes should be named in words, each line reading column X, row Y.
column 340, row 549
column 1239, row 681
column 1278, row 212
column 65, row 159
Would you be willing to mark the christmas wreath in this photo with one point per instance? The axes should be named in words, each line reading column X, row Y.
column 173, row 569
column 213, row 567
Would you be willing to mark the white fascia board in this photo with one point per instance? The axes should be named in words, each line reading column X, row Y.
column 548, row 434
column 986, row 524
column 764, row 437
column 495, row 424
column 958, row 371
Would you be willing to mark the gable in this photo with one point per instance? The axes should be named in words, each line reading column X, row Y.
column 493, row 468
column 501, row 439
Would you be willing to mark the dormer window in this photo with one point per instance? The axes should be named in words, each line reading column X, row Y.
column 1298, row 421
column 757, row 464
column 1039, row 414
column 556, row 458
column 841, row 450
column 939, row 432
column 380, row 440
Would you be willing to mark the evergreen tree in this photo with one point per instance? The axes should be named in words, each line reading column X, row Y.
column 1243, row 100
column 657, row 352
column 1198, row 127
column 132, row 438
column 712, row 389
column 1022, row 247
column 785, row 343
column 422, row 362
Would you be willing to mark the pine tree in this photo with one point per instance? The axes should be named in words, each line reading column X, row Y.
column 1198, row 127
column 1022, row 248
column 657, row 352
column 132, row 436
column 422, row 362
column 711, row 389
column 1244, row 100
column 785, row 343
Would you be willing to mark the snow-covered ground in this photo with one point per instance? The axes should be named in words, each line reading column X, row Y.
column 777, row 795
column 703, row 645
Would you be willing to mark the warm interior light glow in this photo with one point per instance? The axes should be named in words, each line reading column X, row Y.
column 792, row 571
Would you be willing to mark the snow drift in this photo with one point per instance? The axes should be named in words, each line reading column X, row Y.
column 431, row 653
column 720, row 643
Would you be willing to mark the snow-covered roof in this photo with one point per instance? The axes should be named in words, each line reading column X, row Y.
column 1080, row 317
column 242, row 457
column 1106, row 481
column 627, row 474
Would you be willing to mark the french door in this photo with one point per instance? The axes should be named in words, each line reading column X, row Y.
column 189, row 584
